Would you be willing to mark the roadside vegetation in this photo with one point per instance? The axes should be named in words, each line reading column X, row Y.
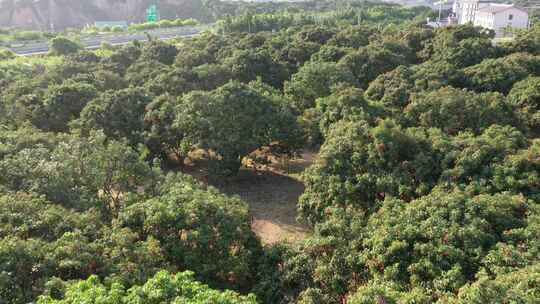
column 359, row 158
column 14, row 37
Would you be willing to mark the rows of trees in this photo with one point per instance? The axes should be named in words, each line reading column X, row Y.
column 351, row 13
column 426, row 188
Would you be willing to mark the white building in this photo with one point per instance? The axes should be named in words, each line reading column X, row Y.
column 501, row 17
column 465, row 10
column 441, row 5
column 494, row 16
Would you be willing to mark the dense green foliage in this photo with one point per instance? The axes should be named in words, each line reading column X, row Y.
column 63, row 46
column 87, row 206
column 426, row 188
column 162, row 288
column 9, row 36
column 165, row 23
column 353, row 12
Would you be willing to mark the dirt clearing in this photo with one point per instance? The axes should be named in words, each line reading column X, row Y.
column 272, row 195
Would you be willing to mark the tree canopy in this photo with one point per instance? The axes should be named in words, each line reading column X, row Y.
column 425, row 186
column 162, row 288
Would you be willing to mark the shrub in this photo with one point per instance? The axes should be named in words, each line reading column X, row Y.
column 117, row 29
column 63, row 46
column 190, row 22
column 166, row 23
column 6, row 54
column 27, row 36
column 164, row 288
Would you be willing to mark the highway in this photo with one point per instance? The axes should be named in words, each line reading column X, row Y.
column 94, row 42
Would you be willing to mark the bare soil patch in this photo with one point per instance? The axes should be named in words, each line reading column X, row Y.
column 272, row 195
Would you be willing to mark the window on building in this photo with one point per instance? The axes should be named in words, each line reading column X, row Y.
column 510, row 17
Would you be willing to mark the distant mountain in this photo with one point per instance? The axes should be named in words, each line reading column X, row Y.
column 61, row 14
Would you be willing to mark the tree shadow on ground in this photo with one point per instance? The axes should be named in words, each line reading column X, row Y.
column 272, row 198
column 272, row 195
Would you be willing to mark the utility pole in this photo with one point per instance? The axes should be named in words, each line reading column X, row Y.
column 158, row 10
column 440, row 11
column 50, row 15
column 48, row 20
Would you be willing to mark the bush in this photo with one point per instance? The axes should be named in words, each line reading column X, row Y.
column 198, row 228
column 166, row 23
column 27, row 36
column 143, row 26
column 190, row 22
column 117, row 29
column 63, row 46
column 160, row 51
column 164, row 288
column 6, row 54
column 178, row 22
column 525, row 96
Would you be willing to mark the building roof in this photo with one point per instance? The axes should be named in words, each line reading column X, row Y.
column 497, row 8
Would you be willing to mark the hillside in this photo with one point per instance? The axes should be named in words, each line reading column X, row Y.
column 62, row 13
column 40, row 14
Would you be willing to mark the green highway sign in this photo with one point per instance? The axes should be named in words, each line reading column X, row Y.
column 152, row 14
